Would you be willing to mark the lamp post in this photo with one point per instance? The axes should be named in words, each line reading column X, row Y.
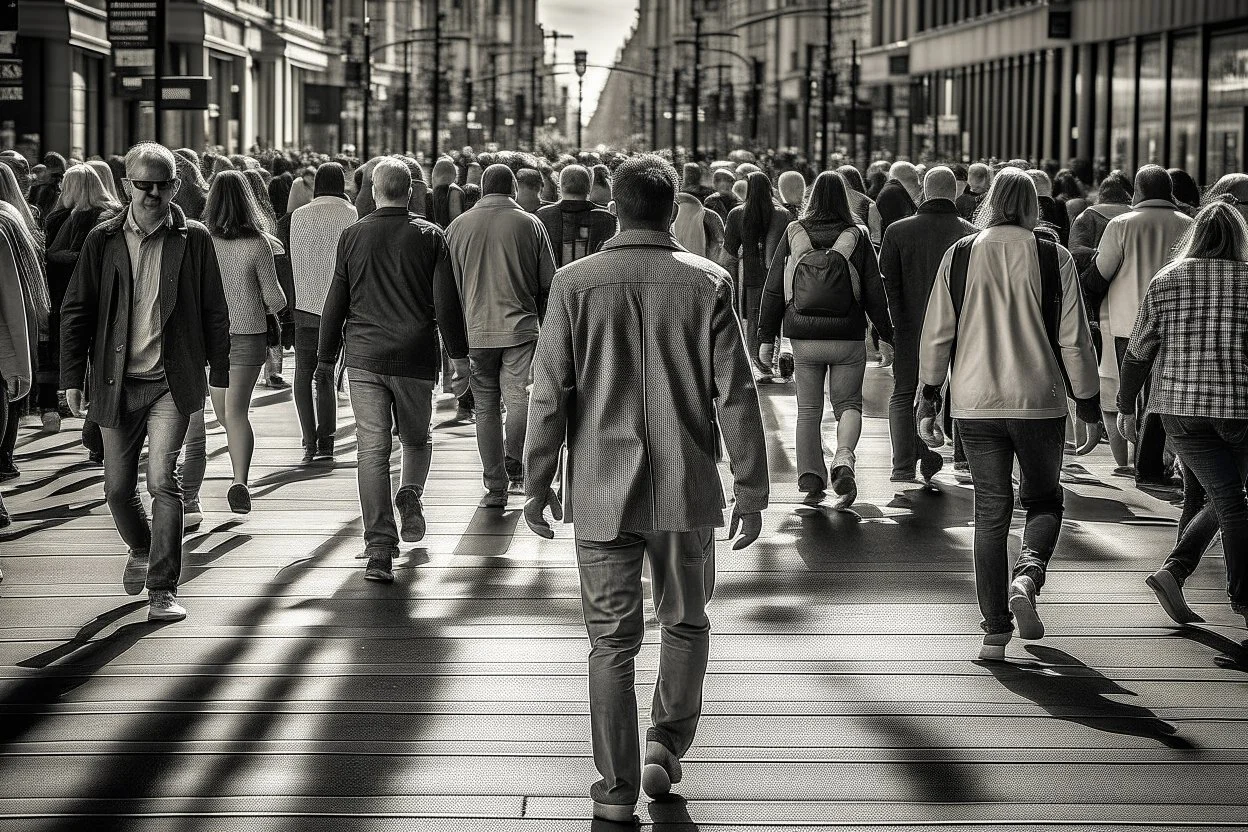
column 580, row 59
column 436, row 83
column 697, row 80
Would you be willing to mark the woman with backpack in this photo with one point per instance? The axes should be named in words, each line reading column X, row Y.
column 1006, row 325
column 752, row 233
column 823, row 285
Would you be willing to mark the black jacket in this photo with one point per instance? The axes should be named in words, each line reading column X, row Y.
column 910, row 254
column 95, row 317
column 893, row 203
column 852, row 327
column 968, row 204
column 585, row 214
column 388, row 295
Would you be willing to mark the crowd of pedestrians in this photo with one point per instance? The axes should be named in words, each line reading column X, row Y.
column 605, row 321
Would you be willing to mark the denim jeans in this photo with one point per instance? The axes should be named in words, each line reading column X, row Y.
column 379, row 402
column 836, row 367
column 500, row 375
column 907, row 446
column 1198, row 525
column 682, row 566
column 316, row 399
column 1216, row 450
column 752, row 300
column 1150, row 447
column 194, row 458
column 164, row 428
column 992, row 445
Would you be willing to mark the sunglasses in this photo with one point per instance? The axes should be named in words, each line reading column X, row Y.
column 146, row 186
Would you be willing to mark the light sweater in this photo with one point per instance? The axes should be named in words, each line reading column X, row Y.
column 1132, row 250
column 249, row 278
column 1005, row 367
column 314, row 233
column 15, row 357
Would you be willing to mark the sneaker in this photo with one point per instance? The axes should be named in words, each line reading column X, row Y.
column 1126, row 471
column 962, row 472
column 411, row 514
column 930, row 465
column 844, row 486
column 162, row 605
column 95, row 457
column 324, row 454
column 993, row 648
column 192, row 515
column 62, row 406
column 614, row 812
column 51, row 421
column 239, row 497
column 1023, row 605
column 1170, row 595
column 135, row 575
column 494, row 499
column 813, row 485
column 661, row 770
column 378, row 569
column 278, row 383
column 786, row 365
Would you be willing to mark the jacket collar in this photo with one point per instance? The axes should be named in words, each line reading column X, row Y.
column 938, row 206
column 393, row 211
column 1156, row 203
column 641, row 237
column 498, row 200
column 176, row 221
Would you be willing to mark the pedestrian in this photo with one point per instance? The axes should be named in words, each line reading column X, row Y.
column 910, row 254
column 640, row 371
column 249, row 277
column 1186, row 192
column 46, row 190
column 193, row 191
column 897, row 199
column 503, row 265
column 1132, row 249
column 1052, row 215
column 692, row 182
column 822, row 287
column 1005, row 323
column 576, row 227
column 723, row 200
column 600, row 190
column 154, row 270
column 978, row 177
column 1191, row 339
column 1234, row 186
column 792, row 188
column 529, row 189
column 271, row 376
column 698, row 228
column 391, row 286
column 12, row 194
column 315, row 230
column 751, row 236
column 448, row 197
column 1070, row 194
column 105, row 173
column 856, row 190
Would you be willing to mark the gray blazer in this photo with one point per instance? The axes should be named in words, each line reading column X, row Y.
column 640, row 365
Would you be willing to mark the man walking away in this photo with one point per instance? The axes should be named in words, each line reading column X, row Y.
column 576, row 227
column 723, row 200
column 145, row 311
column 897, row 200
column 977, row 179
column 383, row 304
column 640, row 365
column 503, row 266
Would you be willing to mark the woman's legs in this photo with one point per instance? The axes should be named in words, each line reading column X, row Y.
column 230, row 405
column 194, row 459
column 810, row 368
column 990, row 452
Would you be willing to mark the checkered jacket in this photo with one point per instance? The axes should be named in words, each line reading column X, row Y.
column 1193, row 329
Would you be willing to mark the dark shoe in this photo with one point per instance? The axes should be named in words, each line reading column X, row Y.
column 95, row 457
column 1126, row 471
column 5, row 519
column 239, row 497
column 494, row 499
column 614, row 812
column 813, row 485
column 463, row 414
column 324, row 453
column 1170, row 595
column 135, row 575
column 1023, row 605
column 661, row 770
column 379, row 566
column 411, row 514
column 278, row 383
column 930, row 465
column 786, row 365
column 515, row 475
column 8, row 471
column 903, row 477
column 309, row 454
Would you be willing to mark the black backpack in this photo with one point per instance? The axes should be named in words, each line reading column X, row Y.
column 1050, row 292
column 822, row 281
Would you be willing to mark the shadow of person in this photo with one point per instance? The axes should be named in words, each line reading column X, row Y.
column 671, row 814
column 1073, row 692
column 1234, row 654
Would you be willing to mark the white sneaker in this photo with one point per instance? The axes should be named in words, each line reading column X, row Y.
column 993, row 648
column 1023, row 605
column 162, row 605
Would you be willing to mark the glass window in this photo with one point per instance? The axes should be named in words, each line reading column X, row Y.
column 1101, row 114
column 1185, row 103
column 1228, row 104
column 1152, row 103
column 1122, row 108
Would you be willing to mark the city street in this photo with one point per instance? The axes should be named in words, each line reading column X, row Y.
column 843, row 686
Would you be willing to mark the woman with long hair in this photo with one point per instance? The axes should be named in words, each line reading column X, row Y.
column 829, row 348
column 249, row 278
column 1191, row 340
column 1233, row 189
column 1007, row 350
column 193, row 192
column 12, row 194
column 105, row 173
column 1186, row 191
column 24, row 307
column 752, row 233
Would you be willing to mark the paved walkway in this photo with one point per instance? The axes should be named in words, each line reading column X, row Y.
column 842, row 689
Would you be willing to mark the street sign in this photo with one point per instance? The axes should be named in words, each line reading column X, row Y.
column 179, row 92
column 136, row 24
column 11, row 77
column 134, row 58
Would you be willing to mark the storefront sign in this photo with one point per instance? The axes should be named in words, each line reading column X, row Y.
column 185, row 92
column 11, row 77
column 135, row 26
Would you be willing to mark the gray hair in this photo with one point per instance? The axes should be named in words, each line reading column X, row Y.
column 979, row 175
column 391, row 180
column 1011, row 200
column 152, row 152
column 940, row 183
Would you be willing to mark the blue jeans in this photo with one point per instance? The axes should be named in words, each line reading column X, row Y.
column 379, row 402
column 500, row 375
column 1198, row 525
column 829, row 368
column 164, row 428
column 194, row 458
column 682, row 566
column 907, row 446
column 1216, row 450
column 992, row 445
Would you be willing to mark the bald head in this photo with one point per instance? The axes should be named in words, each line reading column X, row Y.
column 498, row 179
column 1152, row 182
column 574, row 182
column 444, row 171
column 940, row 183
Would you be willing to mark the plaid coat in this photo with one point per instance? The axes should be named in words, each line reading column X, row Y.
column 640, row 365
column 1192, row 330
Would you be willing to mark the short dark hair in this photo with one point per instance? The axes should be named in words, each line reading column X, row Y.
column 645, row 189
column 1152, row 182
column 497, row 179
column 529, row 178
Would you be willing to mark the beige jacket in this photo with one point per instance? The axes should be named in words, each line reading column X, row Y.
column 1132, row 250
column 1005, row 367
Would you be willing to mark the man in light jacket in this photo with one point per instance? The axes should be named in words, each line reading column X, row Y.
column 503, row 267
column 640, row 366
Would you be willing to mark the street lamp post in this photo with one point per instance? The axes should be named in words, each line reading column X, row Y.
column 697, row 81
column 829, row 78
column 436, row 89
column 580, row 59
column 368, row 79
column 654, row 101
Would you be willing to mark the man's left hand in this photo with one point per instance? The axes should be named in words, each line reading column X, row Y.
column 751, row 526
column 535, row 513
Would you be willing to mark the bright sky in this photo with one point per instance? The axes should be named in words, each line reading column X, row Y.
column 600, row 27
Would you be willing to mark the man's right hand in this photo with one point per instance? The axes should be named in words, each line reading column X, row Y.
column 927, row 418
column 73, row 398
column 535, row 513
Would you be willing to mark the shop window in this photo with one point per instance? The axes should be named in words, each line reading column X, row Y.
column 1122, row 107
column 1228, row 104
column 1185, row 103
column 1152, row 104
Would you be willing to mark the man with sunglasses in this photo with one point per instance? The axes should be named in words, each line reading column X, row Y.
column 143, row 314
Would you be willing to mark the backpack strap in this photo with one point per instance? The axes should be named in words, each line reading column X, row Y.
column 1051, row 300
column 845, row 245
column 957, row 285
column 799, row 245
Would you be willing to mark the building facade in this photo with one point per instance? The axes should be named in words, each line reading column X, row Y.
column 1113, row 83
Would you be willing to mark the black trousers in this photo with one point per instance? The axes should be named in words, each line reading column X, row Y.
column 1150, row 449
